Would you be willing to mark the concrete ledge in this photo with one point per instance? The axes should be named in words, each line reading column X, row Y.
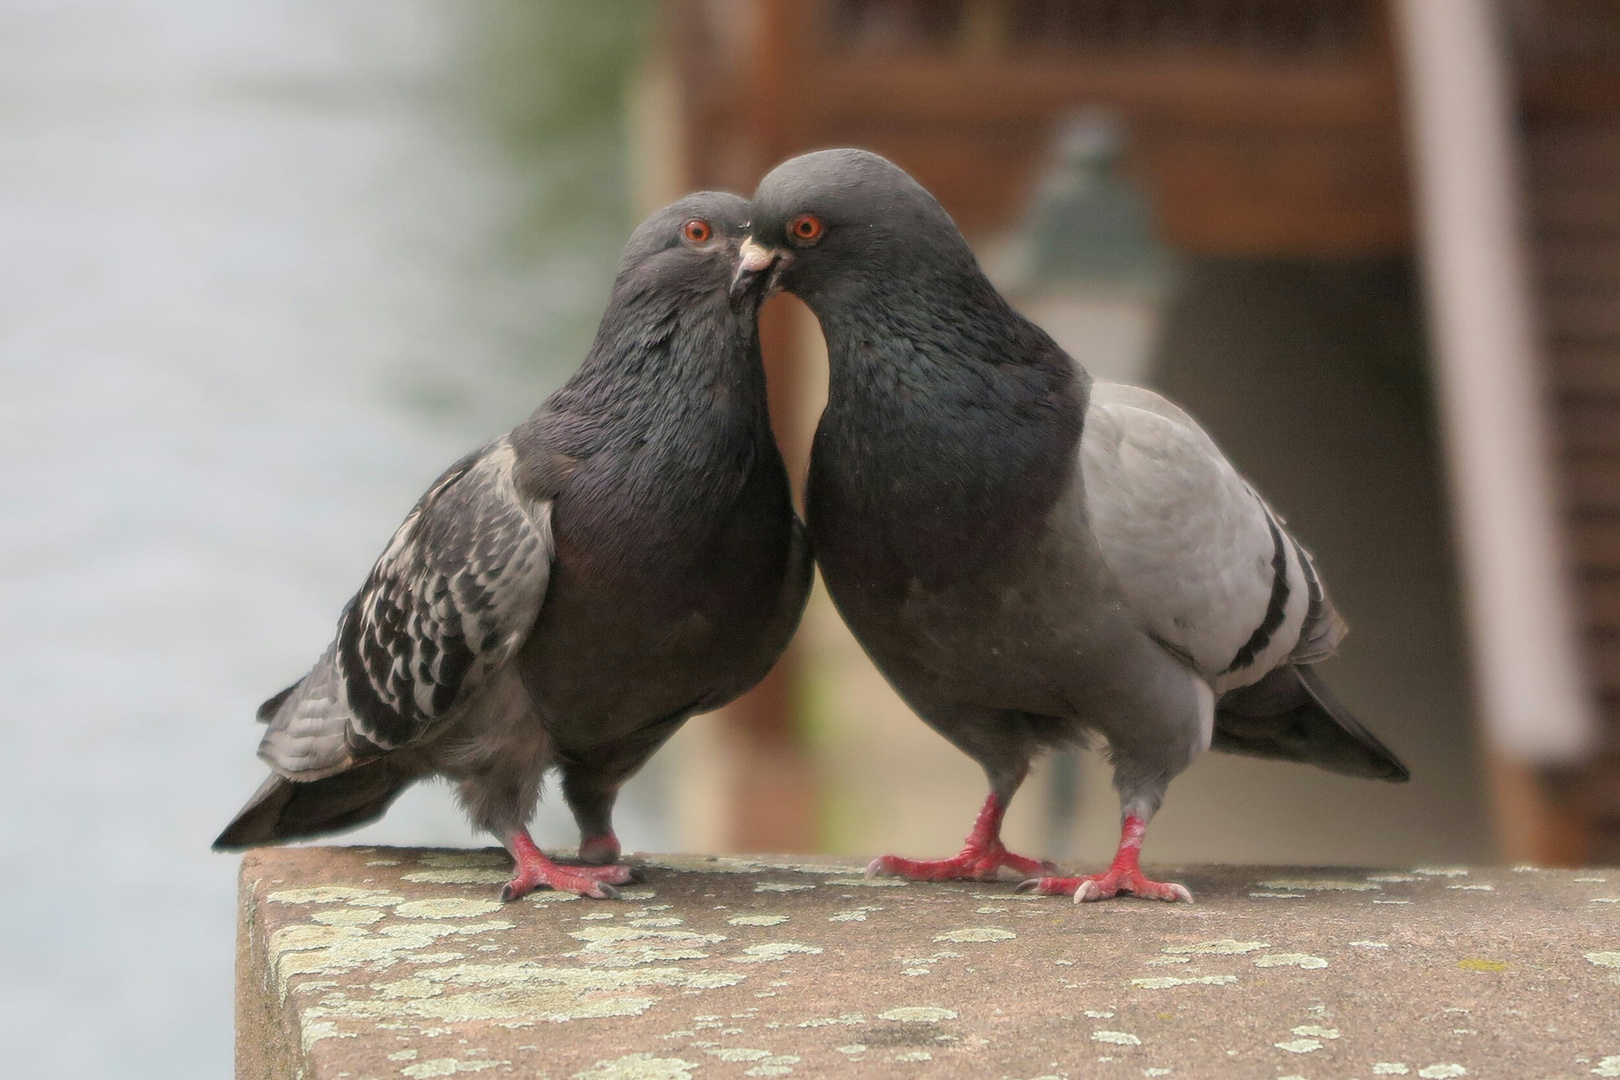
column 359, row 963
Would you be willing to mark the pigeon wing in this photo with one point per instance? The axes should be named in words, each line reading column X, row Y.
column 1200, row 559
column 450, row 601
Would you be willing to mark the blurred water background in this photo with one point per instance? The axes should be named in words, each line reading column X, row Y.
column 266, row 267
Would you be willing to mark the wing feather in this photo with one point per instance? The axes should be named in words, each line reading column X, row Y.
column 450, row 601
column 1207, row 566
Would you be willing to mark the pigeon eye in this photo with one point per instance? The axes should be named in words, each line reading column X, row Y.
column 806, row 228
column 696, row 231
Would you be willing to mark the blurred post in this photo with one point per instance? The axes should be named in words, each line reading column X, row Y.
column 1463, row 143
column 773, row 801
column 765, row 797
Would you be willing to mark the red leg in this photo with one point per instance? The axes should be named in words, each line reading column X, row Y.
column 1124, row 875
column 533, row 870
column 979, row 860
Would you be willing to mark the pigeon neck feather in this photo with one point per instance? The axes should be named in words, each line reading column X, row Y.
column 936, row 381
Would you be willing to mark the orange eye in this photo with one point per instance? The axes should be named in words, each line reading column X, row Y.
column 806, row 228
column 697, row 230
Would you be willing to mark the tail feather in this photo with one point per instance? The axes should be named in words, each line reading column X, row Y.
column 1291, row 716
column 283, row 810
column 267, row 711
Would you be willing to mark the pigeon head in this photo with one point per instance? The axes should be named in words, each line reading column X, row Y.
column 837, row 219
column 688, row 248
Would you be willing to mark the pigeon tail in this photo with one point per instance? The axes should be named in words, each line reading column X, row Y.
column 283, row 810
column 1290, row 715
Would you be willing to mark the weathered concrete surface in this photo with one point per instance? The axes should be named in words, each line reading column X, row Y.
column 370, row 963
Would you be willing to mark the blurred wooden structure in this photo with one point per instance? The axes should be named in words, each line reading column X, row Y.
column 1568, row 63
column 1267, row 128
column 1259, row 127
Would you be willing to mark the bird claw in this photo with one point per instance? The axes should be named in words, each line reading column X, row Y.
column 878, row 868
column 1106, row 886
column 1088, row 892
column 617, row 874
column 613, row 874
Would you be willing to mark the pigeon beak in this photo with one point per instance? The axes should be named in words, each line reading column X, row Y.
column 754, row 261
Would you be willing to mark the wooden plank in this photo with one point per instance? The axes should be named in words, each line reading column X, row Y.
column 1584, row 318
column 1594, row 541
column 1590, row 425
column 1600, row 603
column 1573, row 150
column 1241, row 157
column 1577, row 209
column 1324, row 196
column 1561, row 95
column 1579, row 262
column 1592, row 483
column 1603, row 658
column 1587, row 369
column 1216, row 94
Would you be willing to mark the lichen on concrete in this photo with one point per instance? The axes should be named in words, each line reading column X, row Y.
column 1221, row 947
column 977, row 934
column 1290, row 959
column 382, row 964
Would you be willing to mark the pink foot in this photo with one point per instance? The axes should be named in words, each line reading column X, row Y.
column 1107, row 885
column 981, row 859
column 534, row 870
column 973, row 863
column 1123, row 876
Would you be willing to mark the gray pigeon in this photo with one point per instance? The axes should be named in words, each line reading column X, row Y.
column 569, row 594
column 1032, row 557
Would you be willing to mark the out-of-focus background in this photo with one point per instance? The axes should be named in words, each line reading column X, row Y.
column 266, row 267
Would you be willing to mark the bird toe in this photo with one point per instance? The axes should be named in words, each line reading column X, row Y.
column 879, row 867
column 1088, row 892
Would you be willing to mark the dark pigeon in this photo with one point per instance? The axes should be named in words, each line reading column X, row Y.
column 569, row 594
column 1032, row 557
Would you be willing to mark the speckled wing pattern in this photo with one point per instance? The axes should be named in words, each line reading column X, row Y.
column 1207, row 566
column 450, row 601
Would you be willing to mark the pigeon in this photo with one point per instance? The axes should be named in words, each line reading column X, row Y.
column 567, row 595
column 1032, row 558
